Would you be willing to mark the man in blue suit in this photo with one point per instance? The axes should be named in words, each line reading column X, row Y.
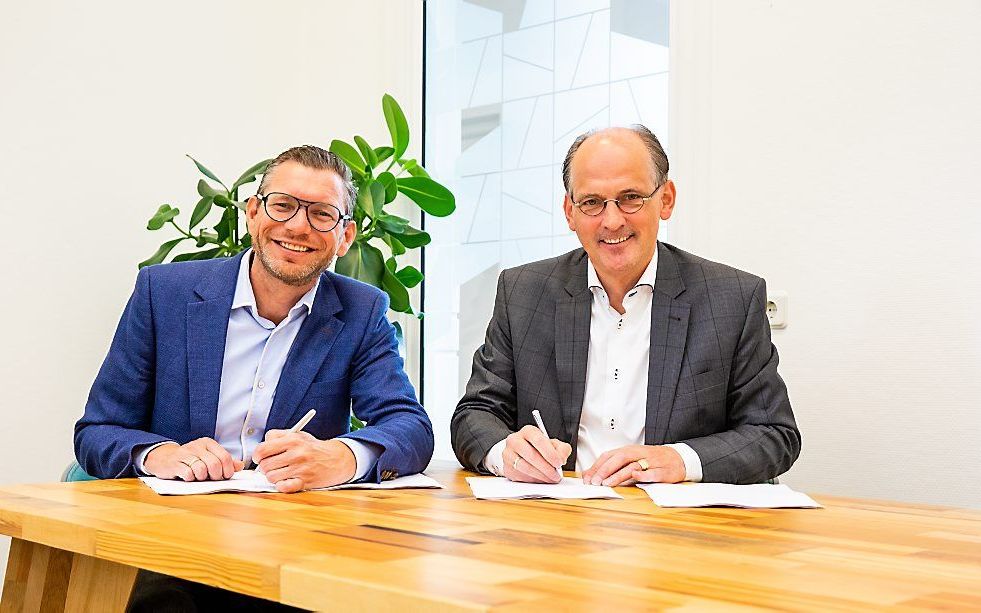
column 214, row 360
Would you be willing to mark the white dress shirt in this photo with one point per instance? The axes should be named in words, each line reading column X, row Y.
column 614, row 410
column 255, row 353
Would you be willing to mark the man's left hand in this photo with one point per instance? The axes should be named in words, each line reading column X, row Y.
column 295, row 461
column 620, row 466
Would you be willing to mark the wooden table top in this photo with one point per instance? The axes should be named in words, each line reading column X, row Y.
column 445, row 550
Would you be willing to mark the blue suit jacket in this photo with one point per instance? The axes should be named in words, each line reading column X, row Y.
column 161, row 378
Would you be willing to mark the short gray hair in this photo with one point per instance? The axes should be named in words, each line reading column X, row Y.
column 315, row 157
column 659, row 159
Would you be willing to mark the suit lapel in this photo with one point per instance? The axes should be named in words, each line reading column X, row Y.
column 311, row 347
column 572, row 315
column 207, row 326
column 669, row 333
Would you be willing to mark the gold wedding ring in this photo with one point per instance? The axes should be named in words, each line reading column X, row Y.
column 643, row 464
column 190, row 463
column 516, row 460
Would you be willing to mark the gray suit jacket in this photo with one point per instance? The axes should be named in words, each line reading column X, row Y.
column 712, row 378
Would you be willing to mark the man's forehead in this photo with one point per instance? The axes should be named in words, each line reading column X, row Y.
column 301, row 181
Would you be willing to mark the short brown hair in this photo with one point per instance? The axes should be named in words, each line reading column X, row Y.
column 313, row 156
column 659, row 159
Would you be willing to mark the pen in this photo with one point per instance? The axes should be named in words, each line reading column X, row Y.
column 297, row 426
column 541, row 426
column 304, row 421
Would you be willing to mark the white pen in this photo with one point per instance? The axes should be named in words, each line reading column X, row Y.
column 304, row 421
column 541, row 426
column 296, row 427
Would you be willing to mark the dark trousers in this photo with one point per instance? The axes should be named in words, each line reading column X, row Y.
column 156, row 593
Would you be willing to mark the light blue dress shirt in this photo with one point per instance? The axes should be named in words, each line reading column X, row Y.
column 255, row 353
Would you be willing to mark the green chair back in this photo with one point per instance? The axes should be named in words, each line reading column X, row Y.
column 74, row 472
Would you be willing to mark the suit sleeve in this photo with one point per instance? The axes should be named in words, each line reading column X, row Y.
column 111, row 431
column 383, row 397
column 487, row 413
column 762, row 440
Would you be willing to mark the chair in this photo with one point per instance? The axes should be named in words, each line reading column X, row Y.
column 74, row 472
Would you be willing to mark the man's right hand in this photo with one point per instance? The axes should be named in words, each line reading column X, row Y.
column 530, row 457
column 200, row 460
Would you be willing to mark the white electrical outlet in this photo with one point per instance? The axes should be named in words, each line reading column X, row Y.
column 776, row 309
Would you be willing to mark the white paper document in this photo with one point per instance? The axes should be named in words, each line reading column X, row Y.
column 499, row 488
column 758, row 496
column 255, row 481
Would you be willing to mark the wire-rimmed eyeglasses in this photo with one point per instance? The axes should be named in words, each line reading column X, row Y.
column 323, row 216
column 628, row 203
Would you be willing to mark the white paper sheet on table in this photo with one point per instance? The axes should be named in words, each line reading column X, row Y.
column 758, row 496
column 499, row 488
column 255, row 481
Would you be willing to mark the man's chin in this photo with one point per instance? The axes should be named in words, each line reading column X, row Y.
column 293, row 274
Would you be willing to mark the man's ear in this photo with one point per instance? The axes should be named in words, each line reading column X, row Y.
column 667, row 198
column 347, row 238
column 251, row 211
column 567, row 209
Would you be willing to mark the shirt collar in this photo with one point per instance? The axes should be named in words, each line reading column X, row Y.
column 646, row 278
column 245, row 296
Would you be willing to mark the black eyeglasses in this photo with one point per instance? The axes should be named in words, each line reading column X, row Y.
column 628, row 203
column 323, row 217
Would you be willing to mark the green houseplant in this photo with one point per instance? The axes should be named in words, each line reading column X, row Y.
column 381, row 174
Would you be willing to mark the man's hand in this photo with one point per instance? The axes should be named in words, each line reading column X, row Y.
column 200, row 460
column 530, row 457
column 296, row 461
column 620, row 466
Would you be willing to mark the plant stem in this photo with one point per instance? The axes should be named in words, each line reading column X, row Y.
column 187, row 234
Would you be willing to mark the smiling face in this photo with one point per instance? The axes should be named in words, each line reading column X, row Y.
column 613, row 164
column 292, row 252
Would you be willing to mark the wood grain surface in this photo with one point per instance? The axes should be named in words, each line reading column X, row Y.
column 371, row 550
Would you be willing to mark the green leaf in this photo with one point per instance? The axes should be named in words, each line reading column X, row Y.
column 162, row 252
column 413, row 168
column 383, row 153
column 162, row 216
column 249, row 175
column 206, row 191
column 391, row 187
column 398, row 127
column 413, row 238
column 429, row 195
column 393, row 224
column 225, row 201
column 394, row 244
column 226, row 224
column 397, row 294
column 207, row 172
column 363, row 262
column 366, row 151
column 200, row 211
column 399, row 336
column 409, row 276
column 356, row 424
column 372, row 199
column 205, row 237
column 349, row 155
column 207, row 254
column 246, row 241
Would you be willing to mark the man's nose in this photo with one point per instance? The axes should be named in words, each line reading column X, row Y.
column 612, row 216
column 298, row 223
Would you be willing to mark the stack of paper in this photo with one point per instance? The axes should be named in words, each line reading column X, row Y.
column 255, row 481
column 499, row 488
column 760, row 496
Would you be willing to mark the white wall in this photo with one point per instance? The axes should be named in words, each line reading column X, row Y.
column 100, row 103
column 833, row 147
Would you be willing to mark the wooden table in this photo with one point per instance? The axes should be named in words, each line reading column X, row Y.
column 77, row 546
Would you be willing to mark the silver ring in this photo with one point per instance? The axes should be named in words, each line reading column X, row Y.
column 516, row 460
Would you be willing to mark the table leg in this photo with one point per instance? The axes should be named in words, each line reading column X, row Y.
column 41, row 579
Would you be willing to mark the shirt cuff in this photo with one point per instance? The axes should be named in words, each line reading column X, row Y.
column 494, row 460
column 693, row 464
column 143, row 454
column 364, row 457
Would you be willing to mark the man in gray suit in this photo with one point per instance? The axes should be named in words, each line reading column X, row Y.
column 646, row 363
